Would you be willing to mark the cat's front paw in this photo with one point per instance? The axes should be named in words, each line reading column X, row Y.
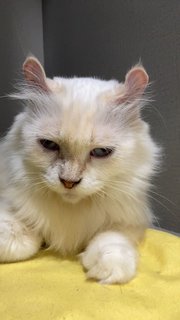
column 110, row 258
column 17, row 242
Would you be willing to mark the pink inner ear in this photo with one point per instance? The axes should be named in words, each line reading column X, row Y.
column 136, row 81
column 34, row 73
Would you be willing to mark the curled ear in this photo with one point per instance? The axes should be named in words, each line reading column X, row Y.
column 125, row 101
column 136, row 81
column 34, row 74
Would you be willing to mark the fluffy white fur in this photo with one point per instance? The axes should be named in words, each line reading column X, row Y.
column 105, row 215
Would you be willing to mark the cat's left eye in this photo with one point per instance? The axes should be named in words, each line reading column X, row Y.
column 49, row 145
column 101, row 152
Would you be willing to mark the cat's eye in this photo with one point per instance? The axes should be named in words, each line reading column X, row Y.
column 101, row 152
column 49, row 145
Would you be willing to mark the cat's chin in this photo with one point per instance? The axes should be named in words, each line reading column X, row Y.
column 71, row 198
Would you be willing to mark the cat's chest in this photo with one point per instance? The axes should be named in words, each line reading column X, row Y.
column 69, row 228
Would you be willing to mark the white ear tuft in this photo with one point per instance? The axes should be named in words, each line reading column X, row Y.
column 34, row 73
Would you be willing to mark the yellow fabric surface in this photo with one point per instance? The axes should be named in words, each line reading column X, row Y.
column 48, row 287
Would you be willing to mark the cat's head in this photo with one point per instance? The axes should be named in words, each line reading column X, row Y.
column 80, row 136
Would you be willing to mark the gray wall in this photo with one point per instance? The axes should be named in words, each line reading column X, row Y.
column 21, row 33
column 104, row 38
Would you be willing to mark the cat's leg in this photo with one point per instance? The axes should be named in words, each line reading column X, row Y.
column 17, row 242
column 110, row 258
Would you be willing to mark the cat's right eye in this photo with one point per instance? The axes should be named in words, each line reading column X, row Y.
column 101, row 152
column 49, row 145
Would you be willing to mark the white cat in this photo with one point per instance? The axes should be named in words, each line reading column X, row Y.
column 74, row 171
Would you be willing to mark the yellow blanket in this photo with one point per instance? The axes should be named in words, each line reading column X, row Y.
column 49, row 288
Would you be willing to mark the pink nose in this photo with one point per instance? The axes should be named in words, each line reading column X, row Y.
column 69, row 184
